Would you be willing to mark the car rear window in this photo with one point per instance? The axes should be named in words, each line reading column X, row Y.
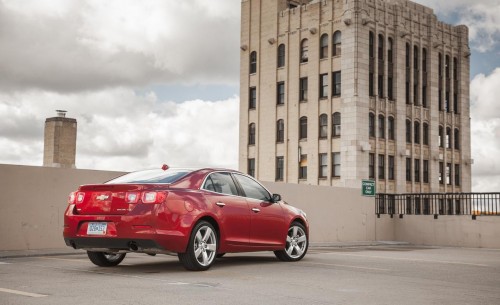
column 151, row 176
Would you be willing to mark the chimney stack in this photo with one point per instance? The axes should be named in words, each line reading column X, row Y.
column 59, row 141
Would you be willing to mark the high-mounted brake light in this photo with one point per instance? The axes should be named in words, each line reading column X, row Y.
column 153, row 197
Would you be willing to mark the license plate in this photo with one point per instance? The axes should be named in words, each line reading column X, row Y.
column 97, row 228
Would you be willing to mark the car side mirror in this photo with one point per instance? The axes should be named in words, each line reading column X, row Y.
column 276, row 197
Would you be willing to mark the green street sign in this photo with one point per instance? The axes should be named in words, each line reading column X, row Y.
column 368, row 188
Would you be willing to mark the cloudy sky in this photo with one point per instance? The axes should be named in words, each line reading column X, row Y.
column 157, row 81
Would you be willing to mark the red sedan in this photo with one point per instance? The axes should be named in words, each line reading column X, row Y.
column 196, row 214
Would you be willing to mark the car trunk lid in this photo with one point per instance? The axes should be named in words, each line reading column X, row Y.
column 107, row 199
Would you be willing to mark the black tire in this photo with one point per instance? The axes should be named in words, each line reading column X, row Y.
column 202, row 248
column 103, row 259
column 296, row 244
column 220, row 255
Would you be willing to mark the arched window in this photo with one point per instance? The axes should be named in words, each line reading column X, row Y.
column 251, row 134
column 253, row 62
column 323, row 49
column 390, row 127
column 371, row 125
column 280, row 131
column 425, row 133
column 304, row 50
column 281, row 55
column 323, row 126
column 407, row 80
column 303, row 128
column 337, row 44
column 416, row 132
column 456, row 139
column 408, row 131
column 448, row 137
column 336, row 124
column 381, row 126
column 424, row 77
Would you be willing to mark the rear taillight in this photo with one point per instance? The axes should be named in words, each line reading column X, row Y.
column 132, row 197
column 71, row 198
column 76, row 197
column 153, row 197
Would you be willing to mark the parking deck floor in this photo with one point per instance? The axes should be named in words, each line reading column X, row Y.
column 387, row 274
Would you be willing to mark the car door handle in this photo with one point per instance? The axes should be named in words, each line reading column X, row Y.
column 221, row 204
column 256, row 210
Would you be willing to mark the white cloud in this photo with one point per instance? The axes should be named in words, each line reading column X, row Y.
column 74, row 45
column 120, row 130
column 481, row 16
column 485, row 131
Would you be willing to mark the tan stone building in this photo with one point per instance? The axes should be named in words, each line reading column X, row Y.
column 60, row 141
column 337, row 91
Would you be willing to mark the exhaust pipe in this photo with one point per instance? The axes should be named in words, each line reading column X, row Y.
column 72, row 243
column 133, row 246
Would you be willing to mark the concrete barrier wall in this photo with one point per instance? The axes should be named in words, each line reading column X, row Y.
column 33, row 200
column 32, row 203
column 456, row 231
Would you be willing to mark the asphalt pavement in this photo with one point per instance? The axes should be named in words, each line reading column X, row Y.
column 383, row 273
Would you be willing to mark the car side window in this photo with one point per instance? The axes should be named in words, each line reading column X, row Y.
column 252, row 189
column 220, row 183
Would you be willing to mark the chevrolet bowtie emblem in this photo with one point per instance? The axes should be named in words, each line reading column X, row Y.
column 102, row 197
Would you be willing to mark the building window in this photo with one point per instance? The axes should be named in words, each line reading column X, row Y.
column 425, row 133
column 456, row 140
column 323, row 126
column 303, row 128
column 303, row 89
column 280, row 168
column 441, row 136
column 457, row 174
column 381, row 166
column 407, row 81
column 390, row 127
column 390, row 70
column 417, row 170
column 337, row 83
column 323, row 165
column 381, row 65
column 336, row 124
column 390, row 174
column 252, row 98
column 381, row 126
column 380, row 47
column 280, row 93
column 303, row 167
column 380, row 85
column 426, row 171
column 323, row 85
column 251, row 167
column 280, row 131
column 416, row 132
column 447, row 88
column 371, row 166
column 441, row 173
column 408, row 169
column 424, row 77
column 253, row 62
column 448, row 137
column 408, row 131
column 371, row 50
column 304, row 50
column 336, row 164
column 440, row 82
column 371, row 125
column 323, row 48
column 281, row 55
column 337, row 44
column 251, row 134
column 455, row 85
column 448, row 173
column 415, row 75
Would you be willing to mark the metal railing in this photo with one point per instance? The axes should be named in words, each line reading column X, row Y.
column 474, row 204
